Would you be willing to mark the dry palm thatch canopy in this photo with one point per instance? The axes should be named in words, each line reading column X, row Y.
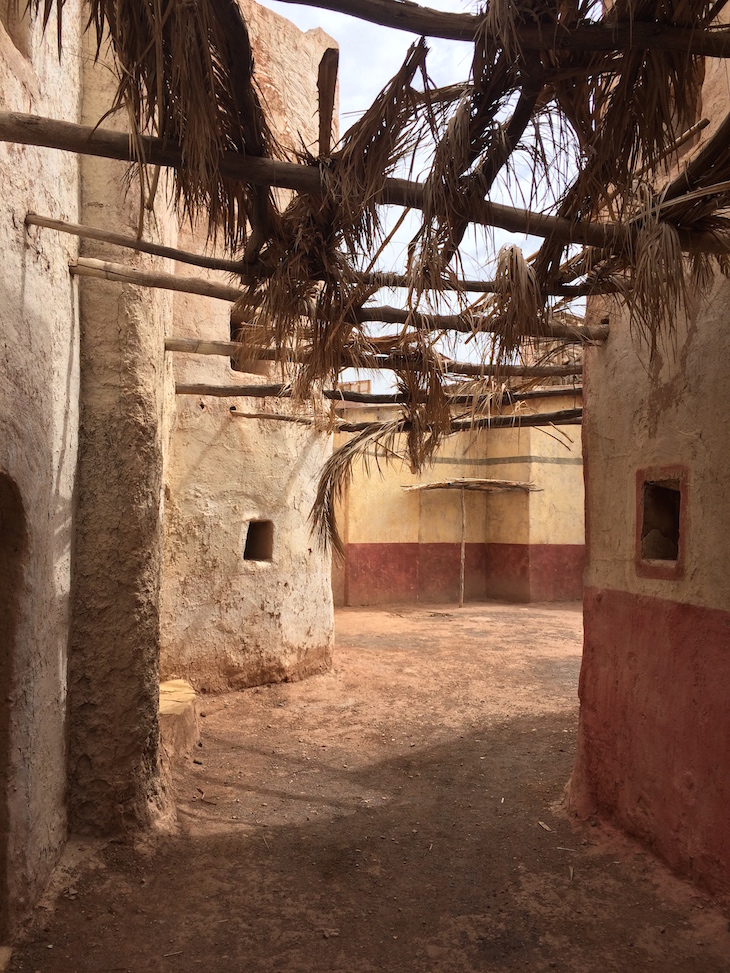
column 591, row 100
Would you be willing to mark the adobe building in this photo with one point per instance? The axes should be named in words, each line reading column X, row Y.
column 404, row 545
column 126, row 509
column 654, row 737
column 246, row 595
column 146, row 532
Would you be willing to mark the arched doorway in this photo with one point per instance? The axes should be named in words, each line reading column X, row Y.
column 12, row 552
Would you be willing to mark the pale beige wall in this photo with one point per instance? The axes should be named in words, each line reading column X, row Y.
column 378, row 510
column 671, row 412
column 227, row 622
column 557, row 508
column 39, row 380
column 114, row 772
column 666, row 412
column 286, row 64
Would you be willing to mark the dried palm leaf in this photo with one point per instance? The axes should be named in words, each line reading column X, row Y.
column 186, row 74
column 372, row 444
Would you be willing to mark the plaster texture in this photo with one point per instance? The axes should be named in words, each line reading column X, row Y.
column 114, row 770
column 654, row 737
column 228, row 622
column 654, row 679
column 405, row 545
column 642, row 415
column 39, row 378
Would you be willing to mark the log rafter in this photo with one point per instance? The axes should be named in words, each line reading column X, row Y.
column 594, row 37
column 68, row 136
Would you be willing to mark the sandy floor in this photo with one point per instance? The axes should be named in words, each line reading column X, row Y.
column 399, row 813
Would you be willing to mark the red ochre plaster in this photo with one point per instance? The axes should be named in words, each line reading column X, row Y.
column 654, row 736
column 389, row 573
column 379, row 574
column 535, row 572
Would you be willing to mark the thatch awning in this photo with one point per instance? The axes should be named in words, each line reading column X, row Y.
column 596, row 98
column 474, row 483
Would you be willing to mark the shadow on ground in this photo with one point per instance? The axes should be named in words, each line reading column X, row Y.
column 321, row 829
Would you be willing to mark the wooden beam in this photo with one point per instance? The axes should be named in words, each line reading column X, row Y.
column 104, row 270
column 144, row 246
column 326, row 90
column 566, row 417
column 276, row 416
column 253, row 272
column 87, row 140
column 89, row 267
column 232, row 349
column 633, row 35
column 384, row 279
column 282, row 390
column 466, row 324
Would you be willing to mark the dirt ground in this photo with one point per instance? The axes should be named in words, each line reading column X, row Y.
column 400, row 813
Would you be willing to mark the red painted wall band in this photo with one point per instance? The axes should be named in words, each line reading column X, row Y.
column 379, row 574
column 654, row 737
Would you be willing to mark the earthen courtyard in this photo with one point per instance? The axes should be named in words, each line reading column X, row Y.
column 401, row 812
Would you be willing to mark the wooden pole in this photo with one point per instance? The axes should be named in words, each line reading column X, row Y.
column 276, row 416
column 104, row 270
column 284, row 391
column 87, row 140
column 252, row 272
column 231, row 349
column 144, row 246
column 561, row 417
column 89, row 267
column 326, row 90
column 462, row 563
column 466, row 324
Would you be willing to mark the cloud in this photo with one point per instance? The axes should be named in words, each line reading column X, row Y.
column 370, row 55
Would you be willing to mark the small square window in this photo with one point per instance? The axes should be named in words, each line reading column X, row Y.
column 259, row 544
column 660, row 520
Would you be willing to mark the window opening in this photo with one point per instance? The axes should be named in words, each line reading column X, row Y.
column 247, row 365
column 661, row 503
column 259, row 544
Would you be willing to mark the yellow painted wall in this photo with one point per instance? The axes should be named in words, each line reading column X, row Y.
column 378, row 510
